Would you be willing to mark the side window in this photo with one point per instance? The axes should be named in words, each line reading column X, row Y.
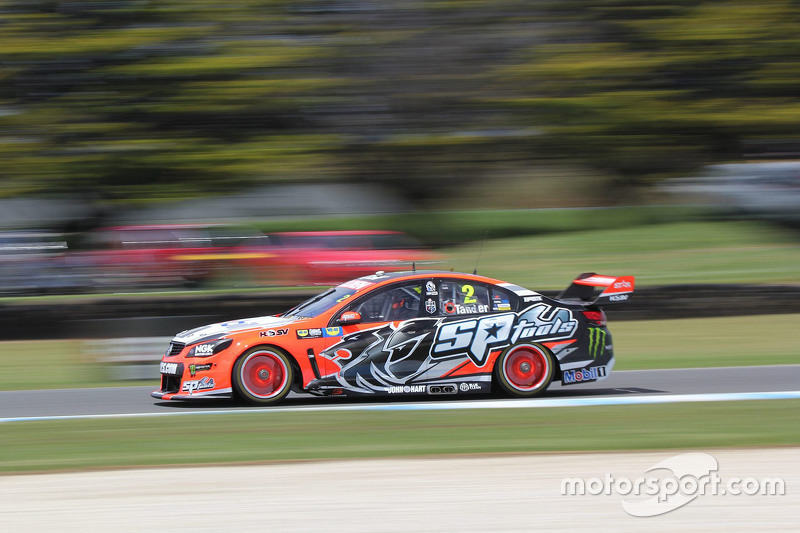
column 463, row 298
column 392, row 304
column 502, row 300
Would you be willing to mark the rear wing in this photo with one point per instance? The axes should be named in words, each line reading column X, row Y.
column 594, row 289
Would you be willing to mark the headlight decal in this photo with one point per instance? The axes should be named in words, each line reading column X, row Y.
column 208, row 349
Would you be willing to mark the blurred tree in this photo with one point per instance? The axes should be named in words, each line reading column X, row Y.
column 144, row 100
column 647, row 88
column 149, row 100
column 152, row 99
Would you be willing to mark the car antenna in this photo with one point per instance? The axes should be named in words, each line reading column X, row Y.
column 413, row 266
column 480, row 250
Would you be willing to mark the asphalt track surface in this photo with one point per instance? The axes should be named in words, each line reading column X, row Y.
column 628, row 385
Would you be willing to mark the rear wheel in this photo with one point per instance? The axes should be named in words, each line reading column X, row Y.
column 524, row 370
column 262, row 376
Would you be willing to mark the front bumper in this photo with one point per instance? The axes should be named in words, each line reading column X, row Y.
column 204, row 395
column 180, row 381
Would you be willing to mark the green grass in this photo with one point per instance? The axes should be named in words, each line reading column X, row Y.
column 646, row 344
column 688, row 252
column 458, row 226
column 265, row 437
column 707, row 342
column 53, row 364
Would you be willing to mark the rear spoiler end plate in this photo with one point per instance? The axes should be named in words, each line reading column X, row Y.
column 595, row 289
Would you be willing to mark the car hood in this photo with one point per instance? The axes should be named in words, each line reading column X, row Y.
column 234, row 326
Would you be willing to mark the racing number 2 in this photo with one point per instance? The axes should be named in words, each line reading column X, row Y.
column 469, row 292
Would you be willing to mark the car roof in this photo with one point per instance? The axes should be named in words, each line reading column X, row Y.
column 383, row 278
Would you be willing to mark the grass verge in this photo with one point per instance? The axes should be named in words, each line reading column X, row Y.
column 707, row 342
column 265, row 437
column 719, row 252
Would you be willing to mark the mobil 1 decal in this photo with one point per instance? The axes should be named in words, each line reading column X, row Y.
column 477, row 337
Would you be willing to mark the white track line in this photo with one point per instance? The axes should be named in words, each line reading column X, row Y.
column 441, row 406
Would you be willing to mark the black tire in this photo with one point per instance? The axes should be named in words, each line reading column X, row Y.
column 262, row 375
column 525, row 370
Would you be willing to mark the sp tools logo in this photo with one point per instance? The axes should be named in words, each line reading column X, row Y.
column 597, row 342
column 198, row 385
column 476, row 337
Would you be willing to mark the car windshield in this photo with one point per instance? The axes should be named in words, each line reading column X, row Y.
column 320, row 303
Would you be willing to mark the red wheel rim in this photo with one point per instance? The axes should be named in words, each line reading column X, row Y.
column 526, row 368
column 264, row 374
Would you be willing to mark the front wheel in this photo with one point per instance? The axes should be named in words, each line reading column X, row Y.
column 262, row 376
column 524, row 370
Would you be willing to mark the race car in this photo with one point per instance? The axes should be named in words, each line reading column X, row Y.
column 404, row 334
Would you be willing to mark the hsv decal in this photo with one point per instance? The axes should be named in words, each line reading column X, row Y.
column 274, row 332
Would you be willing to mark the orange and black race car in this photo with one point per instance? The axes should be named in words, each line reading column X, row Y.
column 404, row 333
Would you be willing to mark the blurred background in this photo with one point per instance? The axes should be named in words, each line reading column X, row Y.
column 199, row 147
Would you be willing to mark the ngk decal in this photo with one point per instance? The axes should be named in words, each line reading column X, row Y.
column 477, row 337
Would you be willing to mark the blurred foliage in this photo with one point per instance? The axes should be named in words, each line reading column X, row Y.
column 647, row 88
column 172, row 98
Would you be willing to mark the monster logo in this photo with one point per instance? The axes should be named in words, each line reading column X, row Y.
column 597, row 342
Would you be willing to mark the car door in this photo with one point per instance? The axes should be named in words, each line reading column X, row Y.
column 387, row 351
column 476, row 323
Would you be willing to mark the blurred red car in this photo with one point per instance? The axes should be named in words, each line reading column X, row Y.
column 166, row 255
column 149, row 256
column 332, row 257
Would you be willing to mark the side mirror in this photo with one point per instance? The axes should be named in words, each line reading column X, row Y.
column 350, row 317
